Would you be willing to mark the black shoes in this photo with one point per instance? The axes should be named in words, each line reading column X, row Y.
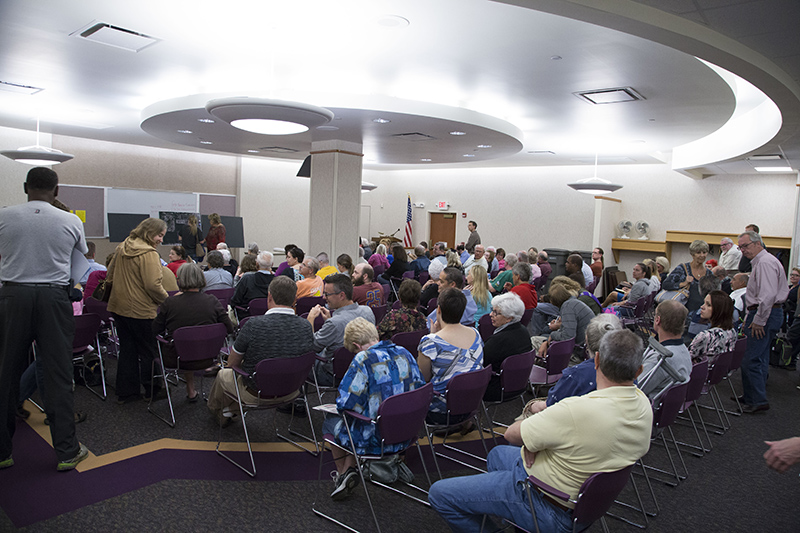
column 750, row 409
column 343, row 484
column 299, row 409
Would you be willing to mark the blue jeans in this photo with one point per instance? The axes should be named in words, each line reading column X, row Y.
column 755, row 366
column 462, row 501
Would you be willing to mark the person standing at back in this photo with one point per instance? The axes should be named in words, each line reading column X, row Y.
column 35, row 306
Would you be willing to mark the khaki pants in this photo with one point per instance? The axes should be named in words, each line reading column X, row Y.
column 227, row 381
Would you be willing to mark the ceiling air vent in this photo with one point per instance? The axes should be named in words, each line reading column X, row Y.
column 415, row 137
column 278, row 150
column 103, row 33
column 610, row 96
column 17, row 88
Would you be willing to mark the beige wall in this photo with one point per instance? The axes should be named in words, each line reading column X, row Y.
column 515, row 207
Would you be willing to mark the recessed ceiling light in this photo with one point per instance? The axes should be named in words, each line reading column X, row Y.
column 266, row 126
column 541, row 152
column 206, row 142
column 206, row 120
column 252, row 151
column 17, row 88
column 381, row 120
column 773, row 169
column 469, row 155
column 555, row 58
column 103, row 33
column 484, row 146
column 426, row 159
column 185, row 131
column 458, row 133
column 610, row 96
column 268, row 117
column 765, row 157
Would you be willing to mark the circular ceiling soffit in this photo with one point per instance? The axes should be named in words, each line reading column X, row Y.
column 268, row 117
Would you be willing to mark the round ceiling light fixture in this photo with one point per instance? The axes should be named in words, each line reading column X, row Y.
column 268, row 117
column 594, row 185
column 37, row 155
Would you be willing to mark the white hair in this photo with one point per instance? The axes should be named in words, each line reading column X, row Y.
column 435, row 268
column 226, row 255
column 264, row 260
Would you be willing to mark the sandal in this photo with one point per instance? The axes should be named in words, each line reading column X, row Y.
column 193, row 399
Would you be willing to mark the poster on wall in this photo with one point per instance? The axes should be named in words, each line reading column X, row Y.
column 175, row 221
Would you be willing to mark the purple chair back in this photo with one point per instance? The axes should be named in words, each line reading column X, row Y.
column 397, row 304
column 379, row 311
column 197, row 343
column 408, row 274
column 493, row 274
column 243, row 321
column 738, row 354
column 465, row 391
column 284, row 375
column 341, row 362
column 86, row 328
column 526, row 317
column 91, row 305
column 697, row 379
column 385, row 290
column 410, row 340
column 172, row 293
column 719, row 370
column 515, row 370
column 318, row 322
column 223, row 295
column 485, row 327
column 306, row 303
column 593, row 285
column 558, row 354
column 257, row 306
column 598, row 493
column 432, row 304
column 424, row 277
column 670, row 404
column 400, row 417
column 379, row 269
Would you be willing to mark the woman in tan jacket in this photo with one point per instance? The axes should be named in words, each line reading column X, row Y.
column 136, row 275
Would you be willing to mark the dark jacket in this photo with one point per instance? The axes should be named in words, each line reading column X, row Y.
column 514, row 339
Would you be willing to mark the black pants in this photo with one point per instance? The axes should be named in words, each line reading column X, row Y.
column 44, row 315
column 137, row 348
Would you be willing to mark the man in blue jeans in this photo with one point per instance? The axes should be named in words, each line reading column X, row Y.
column 603, row 431
column 767, row 289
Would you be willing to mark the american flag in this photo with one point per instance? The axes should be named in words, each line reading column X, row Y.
column 408, row 240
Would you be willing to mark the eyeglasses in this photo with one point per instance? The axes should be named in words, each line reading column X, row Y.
column 495, row 312
column 329, row 294
column 745, row 245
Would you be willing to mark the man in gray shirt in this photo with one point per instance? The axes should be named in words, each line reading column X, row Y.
column 338, row 292
column 35, row 306
column 668, row 324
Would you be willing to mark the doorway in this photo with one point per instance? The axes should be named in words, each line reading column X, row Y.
column 443, row 229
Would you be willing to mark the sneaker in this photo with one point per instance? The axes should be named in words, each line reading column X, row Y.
column 6, row 463
column 70, row 464
column 344, row 483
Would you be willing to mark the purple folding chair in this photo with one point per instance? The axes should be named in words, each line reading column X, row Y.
column 410, row 340
column 408, row 274
column 593, row 285
column 485, row 327
column 514, row 372
column 595, row 496
column 397, row 304
column 307, row 303
column 318, row 322
column 94, row 306
column 556, row 360
column 257, row 306
column 223, row 295
column 717, row 371
column 526, row 317
column 736, row 364
column 424, row 276
column 340, row 360
column 697, row 379
column 432, row 303
column 192, row 344
column 87, row 329
column 378, row 269
column 379, row 311
column 463, row 397
column 399, row 420
column 275, row 379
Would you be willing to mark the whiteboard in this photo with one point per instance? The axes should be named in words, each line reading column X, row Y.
column 135, row 201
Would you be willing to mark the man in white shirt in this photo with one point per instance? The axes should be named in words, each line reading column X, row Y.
column 730, row 256
column 477, row 259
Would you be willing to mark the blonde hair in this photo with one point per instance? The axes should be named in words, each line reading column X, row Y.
column 560, row 293
column 480, row 285
column 192, row 223
column 214, row 219
column 570, row 284
column 359, row 331
column 148, row 229
column 453, row 260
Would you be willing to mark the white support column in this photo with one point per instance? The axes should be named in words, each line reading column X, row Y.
column 335, row 198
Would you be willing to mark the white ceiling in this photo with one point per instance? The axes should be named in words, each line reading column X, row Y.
column 503, row 74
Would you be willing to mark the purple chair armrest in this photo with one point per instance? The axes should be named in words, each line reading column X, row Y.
column 358, row 416
column 547, row 489
column 320, row 358
column 239, row 371
column 163, row 340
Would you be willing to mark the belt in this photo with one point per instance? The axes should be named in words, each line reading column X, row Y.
column 754, row 307
column 549, row 499
column 48, row 285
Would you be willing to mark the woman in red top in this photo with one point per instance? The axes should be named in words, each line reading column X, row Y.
column 216, row 233
column 177, row 257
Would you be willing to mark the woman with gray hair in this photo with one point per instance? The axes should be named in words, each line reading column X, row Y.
column 686, row 276
column 216, row 275
column 579, row 379
column 510, row 337
column 431, row 288
column 189, row 307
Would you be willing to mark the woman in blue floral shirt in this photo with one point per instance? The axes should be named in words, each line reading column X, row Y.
column 379, row 370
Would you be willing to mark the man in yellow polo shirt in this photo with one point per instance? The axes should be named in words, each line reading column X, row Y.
column 602, row 431
column 325, row 268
